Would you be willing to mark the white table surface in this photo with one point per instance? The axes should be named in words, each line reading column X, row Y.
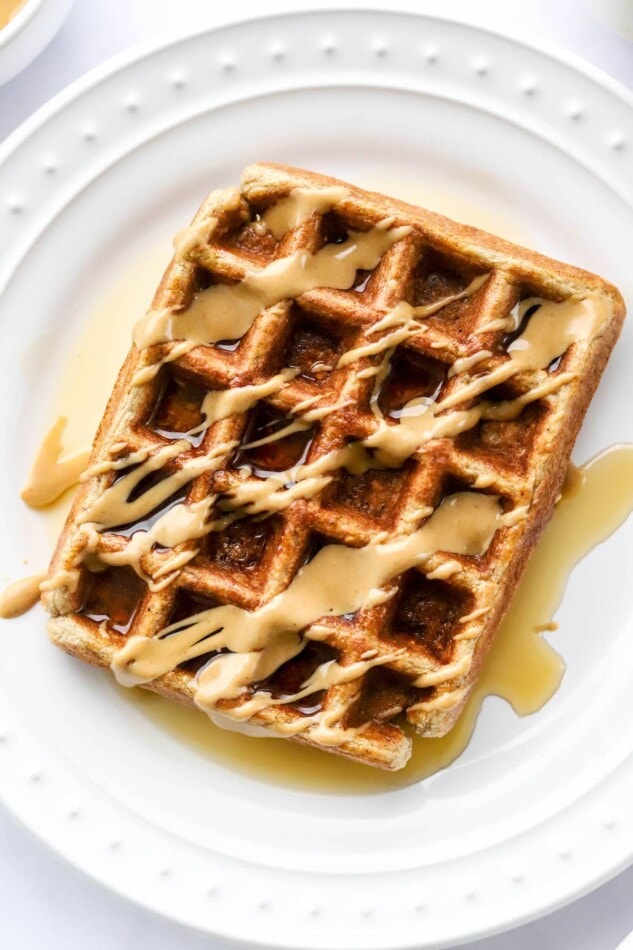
column 44, row 903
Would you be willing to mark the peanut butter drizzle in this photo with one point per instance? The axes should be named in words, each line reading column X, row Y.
column 220, row 404
column 301, row 424
column 262, row 640
column 115, row 465
column 466, row 363
column 193, row 236
column 394, row 444
column 303, row 481
column 403, row 318
column 549, row 333
column 179, row 525
column 147, row 373
column 20, row 596
column 51, row 475
column 324, row 677
column 200, row 232
column 298, row 207
column 337, row 581
column 225, row 312
column 113, row 508
column 8, row 9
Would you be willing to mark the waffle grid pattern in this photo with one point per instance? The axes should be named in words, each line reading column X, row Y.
column 253, row 559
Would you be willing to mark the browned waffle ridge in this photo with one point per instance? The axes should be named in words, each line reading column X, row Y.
column 419, row 651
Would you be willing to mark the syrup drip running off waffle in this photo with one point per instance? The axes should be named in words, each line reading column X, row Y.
column 342, row 425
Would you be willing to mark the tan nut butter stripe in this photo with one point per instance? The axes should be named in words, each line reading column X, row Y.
column 224, row 311
column 298, row 207
column 20, row 596
column 338, row 580
column 51, row 474
column 544, row 338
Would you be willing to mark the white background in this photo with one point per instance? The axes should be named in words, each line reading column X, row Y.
column 44, row 903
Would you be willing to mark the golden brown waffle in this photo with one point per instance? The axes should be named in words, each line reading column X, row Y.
column 420, row 650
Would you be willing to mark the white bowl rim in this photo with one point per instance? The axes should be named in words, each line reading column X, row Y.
column 20, row 21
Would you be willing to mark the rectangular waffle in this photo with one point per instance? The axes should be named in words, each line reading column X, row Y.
column 343, row 424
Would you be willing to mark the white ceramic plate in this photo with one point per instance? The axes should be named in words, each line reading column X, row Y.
column 537, row 811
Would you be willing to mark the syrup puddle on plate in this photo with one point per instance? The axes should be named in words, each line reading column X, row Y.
column 521, row 667
column 108, row 332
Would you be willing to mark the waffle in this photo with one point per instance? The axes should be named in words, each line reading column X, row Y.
column 325, row 462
